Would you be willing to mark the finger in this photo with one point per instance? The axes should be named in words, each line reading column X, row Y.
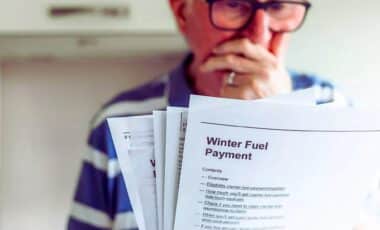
column 279, row 44
column 247, row 49
column 241, row 79
column 244, row 93
column 255, row 90
column 232, row 63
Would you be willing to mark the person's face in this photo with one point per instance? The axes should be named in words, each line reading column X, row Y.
column 252, row 51
column 193, row 20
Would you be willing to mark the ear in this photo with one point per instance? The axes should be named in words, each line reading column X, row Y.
column 178, row 8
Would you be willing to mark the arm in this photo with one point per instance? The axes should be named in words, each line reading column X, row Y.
column 101, row 199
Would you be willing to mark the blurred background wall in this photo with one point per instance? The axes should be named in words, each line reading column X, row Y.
column 340, row 41
column 47, row 108
column 48, row 99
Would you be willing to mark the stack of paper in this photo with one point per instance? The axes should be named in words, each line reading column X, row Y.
column 279, row 163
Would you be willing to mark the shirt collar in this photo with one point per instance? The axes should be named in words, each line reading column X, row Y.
column 179, row 85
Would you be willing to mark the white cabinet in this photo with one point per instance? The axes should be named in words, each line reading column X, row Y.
column 86, row 28
column 34, row 16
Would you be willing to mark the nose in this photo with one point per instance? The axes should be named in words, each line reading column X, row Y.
column 258, row 29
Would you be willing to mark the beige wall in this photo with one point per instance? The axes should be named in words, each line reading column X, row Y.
column 340, row 40
column 47, row 107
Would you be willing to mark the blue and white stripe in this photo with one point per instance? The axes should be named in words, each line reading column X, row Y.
column 101, row 200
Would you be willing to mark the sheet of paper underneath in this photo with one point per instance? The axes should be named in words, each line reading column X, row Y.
column 159, row 128
column 133, row 140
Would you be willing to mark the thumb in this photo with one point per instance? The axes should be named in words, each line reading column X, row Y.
column 279, row 45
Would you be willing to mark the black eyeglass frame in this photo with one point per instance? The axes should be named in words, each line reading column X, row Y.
column 257, row 6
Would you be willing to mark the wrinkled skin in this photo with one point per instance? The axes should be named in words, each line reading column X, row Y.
column 254, row 54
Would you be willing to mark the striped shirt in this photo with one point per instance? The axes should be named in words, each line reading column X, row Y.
column 101, row 199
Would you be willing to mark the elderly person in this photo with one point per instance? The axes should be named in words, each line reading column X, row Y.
column 237, row 50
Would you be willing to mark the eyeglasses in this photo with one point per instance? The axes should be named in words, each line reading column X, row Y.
column 235, row 15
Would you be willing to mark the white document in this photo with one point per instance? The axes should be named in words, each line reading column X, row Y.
column 139, row 178
column 133, row 139
column 299, row 97
column 175, row 138
column 272, row 166
column 306, row 97
column 159, row 128
column 175, row 117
